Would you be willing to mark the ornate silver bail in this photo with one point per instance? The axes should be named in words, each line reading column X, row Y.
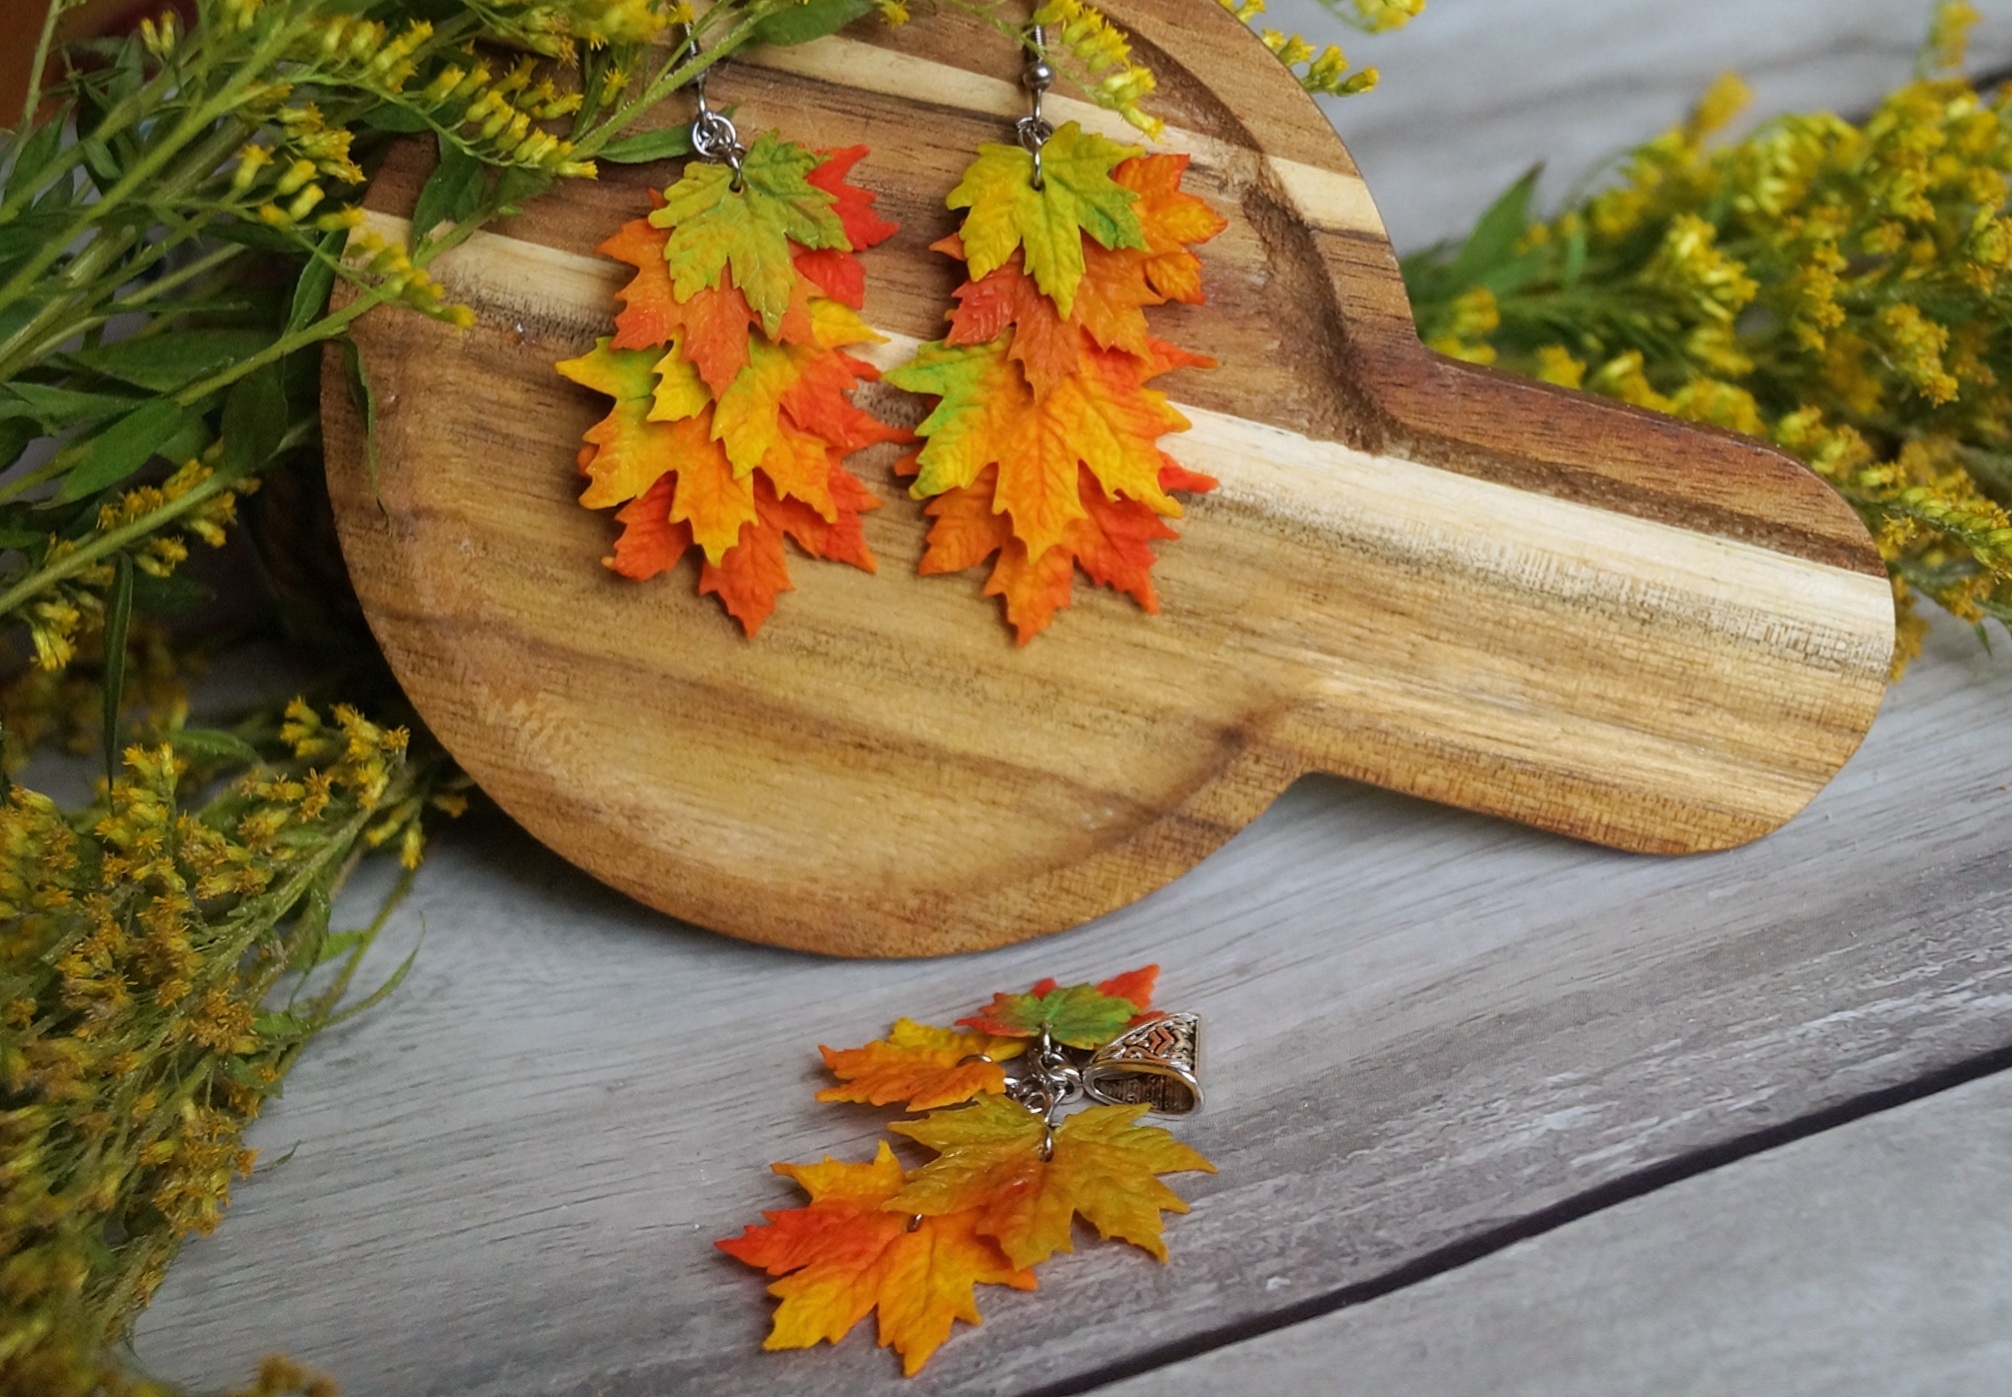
column 1154, row 1065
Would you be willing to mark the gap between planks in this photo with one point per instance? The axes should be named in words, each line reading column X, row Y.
column 1610, row 1194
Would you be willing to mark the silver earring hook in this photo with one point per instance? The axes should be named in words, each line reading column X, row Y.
column 714, row 139
column 1037, row 77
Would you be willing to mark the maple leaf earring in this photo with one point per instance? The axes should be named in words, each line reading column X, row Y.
column 1043, row 447
column 1011, row 1172
column 732, row 388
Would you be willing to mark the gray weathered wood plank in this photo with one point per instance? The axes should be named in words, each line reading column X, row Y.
column 1874, row 1260
column 1477, row 91
column 1421, row 1024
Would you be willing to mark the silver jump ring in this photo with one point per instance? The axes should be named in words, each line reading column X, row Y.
column 713, row 136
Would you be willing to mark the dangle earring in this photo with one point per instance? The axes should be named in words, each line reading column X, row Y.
column 1043, row 448
column 733, row 413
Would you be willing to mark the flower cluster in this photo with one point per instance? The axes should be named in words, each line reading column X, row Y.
column 1324, row 69
column 1111, row 76
column 145, row 940
column 75, row 603
column 1840, row 288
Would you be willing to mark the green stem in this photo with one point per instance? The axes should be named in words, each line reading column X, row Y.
column 89, row 270
column 49, row 18
column 70, row 564
column 172, row 280
column 187, row 130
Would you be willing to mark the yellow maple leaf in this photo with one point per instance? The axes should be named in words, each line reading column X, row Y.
column 680, row 392
column 627, row 453
column 922, row 1066
column 1104, row 1167
column 1077, row 197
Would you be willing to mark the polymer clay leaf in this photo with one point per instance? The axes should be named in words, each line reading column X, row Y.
column 734, row 436
column 921, row 1066
column 625, row 451
column 1077, row 198
column 1102, row 416
column 1172, row 220
column 1082, row 1016
column 714, row 229
column 1104, row 1167
column 835, row 270
column 844, row 1256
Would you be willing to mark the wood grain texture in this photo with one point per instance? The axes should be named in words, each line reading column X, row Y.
column 1419, row 574
column 1874, row 1260
column 1421, row 1025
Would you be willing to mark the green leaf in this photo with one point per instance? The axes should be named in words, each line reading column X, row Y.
column 118, row 620
column 1493, row 241
column 389, row 116
column 365, row 399
column 34, row 156
column 216, row 746
column 15, row 434
column 452, row 192
column 338, row 944
column 58, row 408
column 254, row 419
column 317, row 279
column 165, row 362
column 516, row 184
column 122, row 448
column 712, row 226
column 170, row 597
column 813, row 19
column 667, row 144
column 1575, row 257
column 283, row 1027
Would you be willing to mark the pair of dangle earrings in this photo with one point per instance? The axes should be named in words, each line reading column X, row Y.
column 733, row 384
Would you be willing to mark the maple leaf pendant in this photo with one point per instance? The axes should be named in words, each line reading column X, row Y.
column 1043, row 447
column 1011, row 1172
column 733, row 413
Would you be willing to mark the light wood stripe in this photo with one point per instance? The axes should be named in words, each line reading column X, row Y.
column 1325, row 198
column 1379, row 501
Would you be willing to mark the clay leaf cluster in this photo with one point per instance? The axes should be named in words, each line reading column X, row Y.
column 1043, row 448
column 999, row 1197
column 733, row 412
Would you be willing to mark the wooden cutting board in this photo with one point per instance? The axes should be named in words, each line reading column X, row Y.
column 1418, row 573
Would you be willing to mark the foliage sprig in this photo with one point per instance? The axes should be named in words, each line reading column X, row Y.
column 1838, row 287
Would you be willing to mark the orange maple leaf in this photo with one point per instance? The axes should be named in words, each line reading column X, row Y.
column 921, row 1066
column 1172, row 220
column 1111, row 543
column 845, row 1256
column 835, row 270
column 755, row 571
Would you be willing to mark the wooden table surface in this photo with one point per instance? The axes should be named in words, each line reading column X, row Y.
column 1494, row 1111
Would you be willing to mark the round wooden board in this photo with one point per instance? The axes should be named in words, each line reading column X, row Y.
column 1416, row 573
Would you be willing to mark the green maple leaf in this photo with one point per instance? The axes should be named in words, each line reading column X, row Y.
column 1083, row 1016
column 713, row 227
column 1077, row 197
